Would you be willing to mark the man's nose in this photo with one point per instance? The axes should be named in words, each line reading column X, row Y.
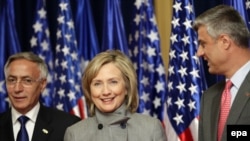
column 200, row 52
column 18, row 86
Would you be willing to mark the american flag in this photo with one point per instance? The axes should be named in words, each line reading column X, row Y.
column 69, row 96
column 113, row 35
column 242, row 6
column 86, row 38
column 144, row 45
column 40, row 44
column 185, row 76
column 9, row 44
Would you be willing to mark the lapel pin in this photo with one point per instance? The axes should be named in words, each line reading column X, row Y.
column 45, row 131
column 247, row 94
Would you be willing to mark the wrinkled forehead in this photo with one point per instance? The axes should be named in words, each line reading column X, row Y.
column 22, row 68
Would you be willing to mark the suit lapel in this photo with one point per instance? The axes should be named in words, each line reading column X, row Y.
column 42, row 129
column 217, row 93
column 240, row 101
column 6, row 130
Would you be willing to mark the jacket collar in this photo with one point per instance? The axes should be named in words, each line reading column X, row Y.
column 121, row 115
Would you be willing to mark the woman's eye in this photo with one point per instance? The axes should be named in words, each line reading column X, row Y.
column 114, row 82
column 96, row 84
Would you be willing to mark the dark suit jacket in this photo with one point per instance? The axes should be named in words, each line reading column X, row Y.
column 52, row 120
column 210, row 107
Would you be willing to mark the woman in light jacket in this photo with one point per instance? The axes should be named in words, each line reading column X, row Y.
column 110, row 88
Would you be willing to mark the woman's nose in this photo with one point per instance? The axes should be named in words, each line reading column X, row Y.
column 106, row 89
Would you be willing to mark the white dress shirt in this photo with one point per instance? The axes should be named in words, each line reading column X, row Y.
column 238, row 78
column 30, row 125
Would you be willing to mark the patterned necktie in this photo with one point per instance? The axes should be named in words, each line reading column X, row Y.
column 224, row 108
column 22, row 134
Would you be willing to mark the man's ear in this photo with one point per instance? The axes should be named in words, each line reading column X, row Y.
column 43, row 84
column 225, row 41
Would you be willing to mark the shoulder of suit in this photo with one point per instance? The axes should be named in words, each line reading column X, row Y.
column 5, row 114
column 88, row 123
column 59, row 113
column 219, row 85
column 137, row 117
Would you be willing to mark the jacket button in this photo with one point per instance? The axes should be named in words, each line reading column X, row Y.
column 123, row 125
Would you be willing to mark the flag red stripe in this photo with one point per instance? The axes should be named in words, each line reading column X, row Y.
column 186, row 135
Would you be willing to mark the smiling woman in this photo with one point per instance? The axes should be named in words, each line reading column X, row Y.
column 110, row 87
column 108, row 73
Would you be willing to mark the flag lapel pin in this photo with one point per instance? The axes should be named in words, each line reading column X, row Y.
column 45, row 131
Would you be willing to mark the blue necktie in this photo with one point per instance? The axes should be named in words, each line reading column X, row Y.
column 22, row 134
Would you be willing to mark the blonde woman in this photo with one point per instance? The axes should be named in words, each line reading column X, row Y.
column 110, row 88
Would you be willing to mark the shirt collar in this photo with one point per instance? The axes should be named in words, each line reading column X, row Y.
column 32, row 114
column 240, row 75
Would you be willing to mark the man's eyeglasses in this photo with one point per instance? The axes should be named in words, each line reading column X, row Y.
column 26, row 82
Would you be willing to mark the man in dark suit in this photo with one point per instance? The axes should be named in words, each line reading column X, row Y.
column 25, row 75
column 223, row 41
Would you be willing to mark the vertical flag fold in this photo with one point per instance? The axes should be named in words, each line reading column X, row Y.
column 241, row 6
column 86, row 37
column 68, row 92
column 185, row 76
column 145, row 52
column 40, row 44
column 247, row 2
column 113, row 34
column 9, row 44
